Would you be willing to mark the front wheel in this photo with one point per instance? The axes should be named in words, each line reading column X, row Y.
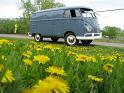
column 86, row 42
column 38, row 38
column 70, row 39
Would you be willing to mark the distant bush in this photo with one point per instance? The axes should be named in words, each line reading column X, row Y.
column 7, row 26
column 111, row 32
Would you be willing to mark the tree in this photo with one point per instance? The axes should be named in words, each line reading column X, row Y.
column 46, row 4
column 29, row 7
column 111, row 32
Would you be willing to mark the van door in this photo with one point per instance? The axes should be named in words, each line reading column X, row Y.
column 73, row 21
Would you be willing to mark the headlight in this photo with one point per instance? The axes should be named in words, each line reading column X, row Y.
column 88, row 28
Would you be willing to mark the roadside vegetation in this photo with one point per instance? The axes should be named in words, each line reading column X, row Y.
column 112, row 34
column 30, row 67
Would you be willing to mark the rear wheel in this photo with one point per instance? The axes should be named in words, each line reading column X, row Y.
column 86, row 42
column 38, row 38
column 54, row 39
column 70, row 39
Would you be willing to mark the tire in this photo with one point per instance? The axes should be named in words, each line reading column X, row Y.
column 86, row 42
column 70, row 39
column 38, row 38
column 54, row 39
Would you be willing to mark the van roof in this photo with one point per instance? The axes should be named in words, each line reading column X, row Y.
column 63, row 8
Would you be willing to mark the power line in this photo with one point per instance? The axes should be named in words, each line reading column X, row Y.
column 111, row 10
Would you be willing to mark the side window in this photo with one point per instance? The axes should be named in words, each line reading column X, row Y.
column 78, row 13
column 67, row 13
column 73, row 13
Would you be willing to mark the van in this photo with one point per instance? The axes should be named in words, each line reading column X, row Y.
column 74, row 24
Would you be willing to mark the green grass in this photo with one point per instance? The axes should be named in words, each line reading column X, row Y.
column 77, row 72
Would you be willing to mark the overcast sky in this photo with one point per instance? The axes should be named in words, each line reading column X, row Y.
column 10, row 9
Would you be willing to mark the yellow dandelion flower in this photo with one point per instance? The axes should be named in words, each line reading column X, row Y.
column 81, row 58
column 57, row 49
column 1, row 66
column 50, row 47
column 4, row 41
column 3, row 58
column 95, row 78
column 91, row 59
column 108, row 68
column 27, row 90
column 7, row 77
column 71, row 53
column 38, row 47
column 27, row 62
column 56, row 70
column 51, row 84
column 41, row 59
column 27, row 54
column 85, row 58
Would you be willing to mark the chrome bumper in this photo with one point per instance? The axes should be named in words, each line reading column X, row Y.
column 90, row 36
column 29, row 34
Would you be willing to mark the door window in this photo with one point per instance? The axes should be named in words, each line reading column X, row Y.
column 67, row 13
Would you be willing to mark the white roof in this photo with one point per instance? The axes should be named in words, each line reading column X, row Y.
column 62, row 8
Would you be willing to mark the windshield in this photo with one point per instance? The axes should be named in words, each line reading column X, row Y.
column 88, row 13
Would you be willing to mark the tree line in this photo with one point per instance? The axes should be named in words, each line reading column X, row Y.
column 28, row 7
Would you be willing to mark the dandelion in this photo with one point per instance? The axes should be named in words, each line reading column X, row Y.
column 108, row 68
column 1, row 66
column 42, row 59
column 38, row 47
column 71, row 53
column 3, row 58
column 85, row 58
column 51, row 84
column 27, row 54
column 27, row 90
column 81, row 58
column 27, row 62
column 4, row 41
column 95, row 78
column 7, row 77
column 56, row 70
column 50, row 47
column 91, row 59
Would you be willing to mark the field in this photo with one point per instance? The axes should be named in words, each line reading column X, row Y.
column 30, row 67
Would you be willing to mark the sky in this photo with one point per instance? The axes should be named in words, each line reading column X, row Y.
column 10, row 9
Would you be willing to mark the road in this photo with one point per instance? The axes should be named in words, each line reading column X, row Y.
column 61, row 40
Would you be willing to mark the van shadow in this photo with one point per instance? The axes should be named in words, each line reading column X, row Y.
column 63, row 43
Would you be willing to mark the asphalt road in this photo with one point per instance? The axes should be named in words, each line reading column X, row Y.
column 61, row 40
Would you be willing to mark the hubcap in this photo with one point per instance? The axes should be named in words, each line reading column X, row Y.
column 37, row 37
column 71, row 40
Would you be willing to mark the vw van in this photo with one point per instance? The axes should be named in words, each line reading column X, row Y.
column 74, row 24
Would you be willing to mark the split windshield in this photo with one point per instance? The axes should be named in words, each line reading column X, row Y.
column 88, row 13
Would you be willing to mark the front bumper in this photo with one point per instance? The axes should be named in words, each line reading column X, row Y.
column 29, row 34
column 90, row 36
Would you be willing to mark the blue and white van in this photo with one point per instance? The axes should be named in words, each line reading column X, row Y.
column 71, row 23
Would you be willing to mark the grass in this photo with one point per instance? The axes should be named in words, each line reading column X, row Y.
column 80, row 65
